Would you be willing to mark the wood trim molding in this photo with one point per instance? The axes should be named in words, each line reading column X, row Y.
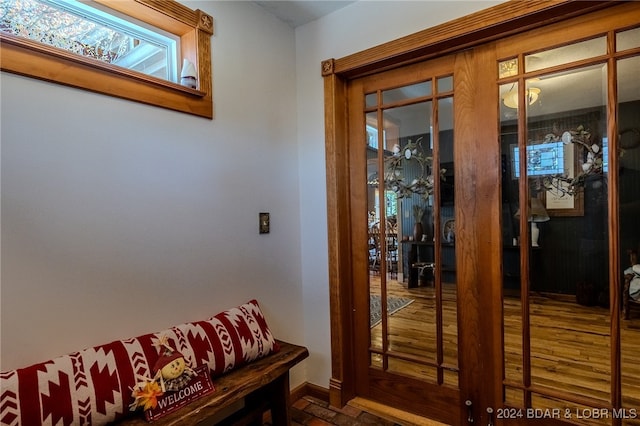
column 309, row 389
column 478, row 28
column 341, row 294
column 29, row 58
column 328, row 67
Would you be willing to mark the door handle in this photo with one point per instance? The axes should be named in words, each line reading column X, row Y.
column 469, row 405
column 490, row 416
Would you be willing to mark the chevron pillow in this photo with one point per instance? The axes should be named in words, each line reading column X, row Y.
column 93, row 386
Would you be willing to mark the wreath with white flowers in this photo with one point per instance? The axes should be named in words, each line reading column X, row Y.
column 400, row 159
column 592, row 164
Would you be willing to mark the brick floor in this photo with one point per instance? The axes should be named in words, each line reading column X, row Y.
column 310, row 411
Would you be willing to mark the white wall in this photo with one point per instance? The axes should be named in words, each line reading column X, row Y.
column 120, row 218
column 359, row 26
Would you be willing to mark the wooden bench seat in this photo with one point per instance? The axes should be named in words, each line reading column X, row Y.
column 263, row 384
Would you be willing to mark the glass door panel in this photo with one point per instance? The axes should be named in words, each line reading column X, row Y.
column 411, row 247
column 406, row 169
column 558, row 329
column 569, row 322
column 375, row 216
column 512, row 305
column 446, row 235
column 629, row 214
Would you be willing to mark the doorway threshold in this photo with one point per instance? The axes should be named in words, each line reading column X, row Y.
column 396, row 415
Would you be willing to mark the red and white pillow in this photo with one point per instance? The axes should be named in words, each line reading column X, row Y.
column 93, row 386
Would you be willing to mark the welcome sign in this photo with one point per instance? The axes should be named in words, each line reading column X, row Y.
column 169, row 402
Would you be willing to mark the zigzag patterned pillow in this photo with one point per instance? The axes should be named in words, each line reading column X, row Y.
column 93, row 386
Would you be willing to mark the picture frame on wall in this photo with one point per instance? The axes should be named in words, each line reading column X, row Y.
column 558, row 202
column 555, row 201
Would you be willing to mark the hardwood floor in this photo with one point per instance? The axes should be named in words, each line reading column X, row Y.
column 412, row 331
column 570, row 346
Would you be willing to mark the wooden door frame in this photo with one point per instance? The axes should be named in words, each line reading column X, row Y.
column 470, row 31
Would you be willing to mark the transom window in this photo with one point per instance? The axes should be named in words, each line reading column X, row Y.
column 131, row 49
column 84, row 29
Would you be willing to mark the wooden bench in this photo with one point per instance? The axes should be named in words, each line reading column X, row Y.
column 262, row 384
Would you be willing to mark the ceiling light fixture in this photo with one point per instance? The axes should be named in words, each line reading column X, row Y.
column 510, row 99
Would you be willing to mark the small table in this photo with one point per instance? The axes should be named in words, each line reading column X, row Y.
column 418, row 271
column 416, row 252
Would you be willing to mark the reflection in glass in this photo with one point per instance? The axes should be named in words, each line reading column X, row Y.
column 557, row 319
column 572, row 255
column 407, row 169
column 447, row 233
column 542, row 159
column 411, row 281
column 629, row 214
column 628, row 39
column 417, row 90
column 511, row 303
column 445, row 84
column 508, row 68
column 374, row 216
column 565, row 54
column 371, row 100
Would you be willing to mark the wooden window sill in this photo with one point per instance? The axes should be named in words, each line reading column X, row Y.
column 29, row 58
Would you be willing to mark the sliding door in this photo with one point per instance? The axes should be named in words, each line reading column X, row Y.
column 403, row 224
column 570, row 151
column 486, row 211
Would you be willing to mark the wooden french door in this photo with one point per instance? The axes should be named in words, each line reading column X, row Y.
column 402, row 357
column 522, row 156
column 569, row 104
column 416, row 317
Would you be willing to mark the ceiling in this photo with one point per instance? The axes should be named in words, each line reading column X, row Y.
column 300, row 12
column 558, row 92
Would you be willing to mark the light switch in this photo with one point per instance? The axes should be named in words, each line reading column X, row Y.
column 264, row 223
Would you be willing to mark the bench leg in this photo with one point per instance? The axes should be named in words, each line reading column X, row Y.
column 281, row 401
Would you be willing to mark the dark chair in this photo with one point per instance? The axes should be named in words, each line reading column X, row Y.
column 374, row 249
column 627, row 302
column 390, row 239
